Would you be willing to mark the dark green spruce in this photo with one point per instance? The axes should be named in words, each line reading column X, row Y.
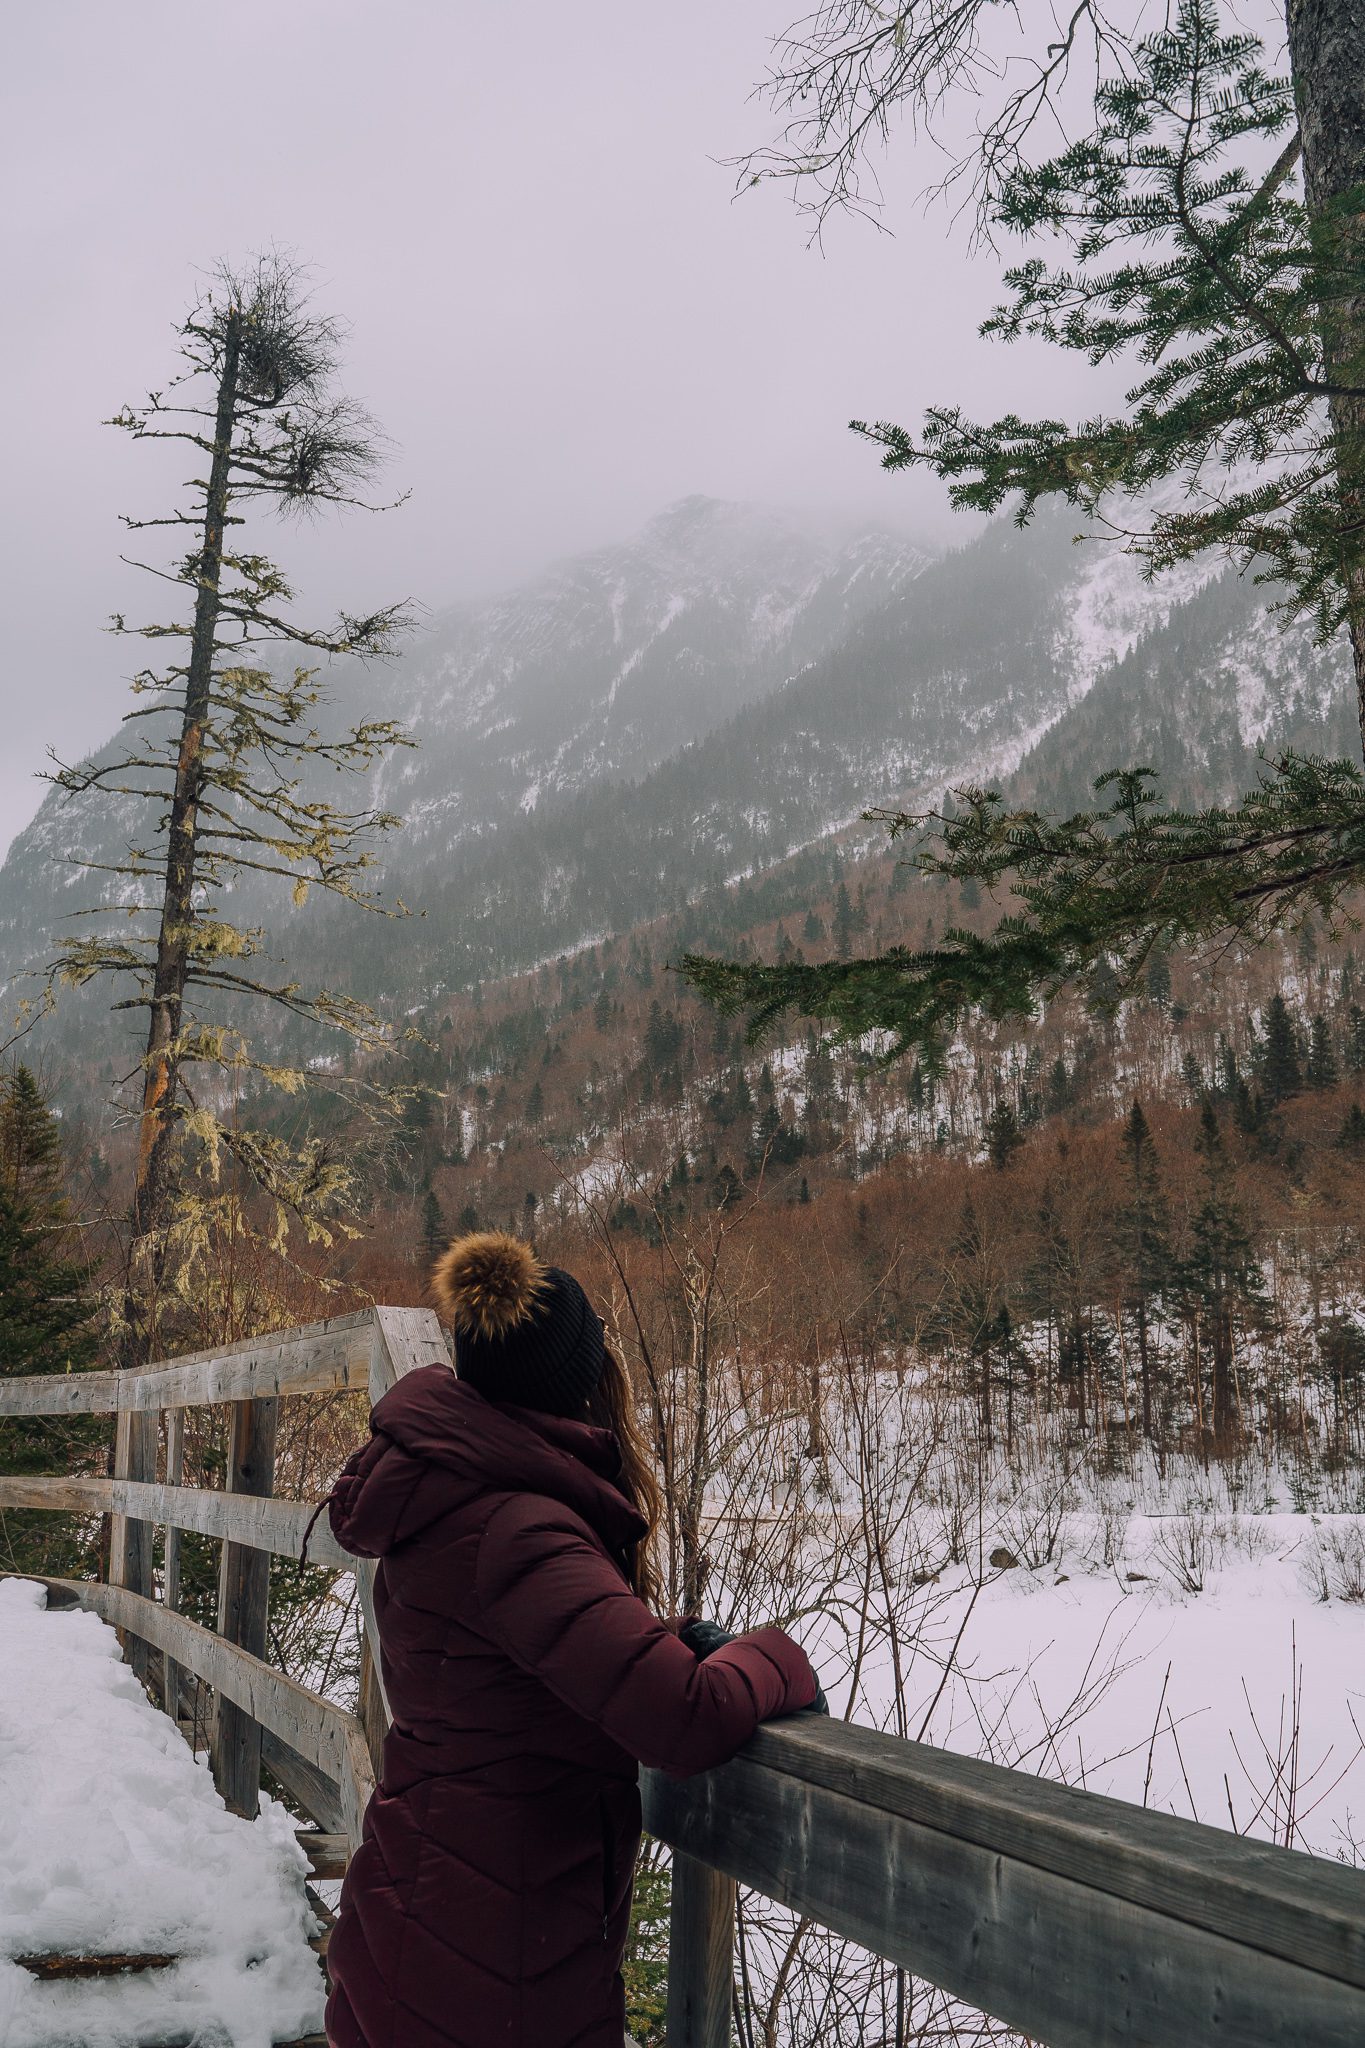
column 1213, row 224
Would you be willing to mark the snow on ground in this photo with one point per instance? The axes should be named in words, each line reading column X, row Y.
column 116, row 1841
column 1239, row 1704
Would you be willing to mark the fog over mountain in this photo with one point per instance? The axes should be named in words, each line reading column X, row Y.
column 640, row 725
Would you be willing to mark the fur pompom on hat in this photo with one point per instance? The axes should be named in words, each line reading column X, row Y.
column 525, row 1333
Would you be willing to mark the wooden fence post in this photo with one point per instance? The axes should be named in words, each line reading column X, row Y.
column 244, row 1604
column 374, row 1705
column 171, row 1680
column 130, row 1542
column 701, row 1938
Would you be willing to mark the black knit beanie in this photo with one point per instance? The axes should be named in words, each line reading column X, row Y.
column 525, row 1333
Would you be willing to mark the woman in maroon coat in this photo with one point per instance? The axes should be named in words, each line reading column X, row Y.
column 511, row 1507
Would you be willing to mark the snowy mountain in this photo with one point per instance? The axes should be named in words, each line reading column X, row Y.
column 612, row 661
column 643, row 723
column 1198, row 691
column 598, row 669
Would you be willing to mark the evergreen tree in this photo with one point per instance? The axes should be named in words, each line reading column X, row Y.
column 1351, row 1136
column 1322, row 1060
column 1355, row 1039
column 969, row 1315
column 1219, row 1278
column 1252, row 1116
column 844, row 922
column 663, row 1039
column 1281, row 1074
column 1229, row 1076
column 30, row 1144
column 46, row 1326
column 1103, row 993
column 819, row 1068
column 1159, row 981
column 1003, row 1135
column 535, row 1103
column 813, row 930
column 1211, row 231
column 1057, row 1094
column 1144, row 1247
column 434, row 1233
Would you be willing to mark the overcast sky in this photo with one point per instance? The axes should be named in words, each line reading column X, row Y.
column 559, row 312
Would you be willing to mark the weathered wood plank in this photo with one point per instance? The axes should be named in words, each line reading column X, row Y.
column 244, row 1603
column 1062, row 1961
column 700, row 1956
column 374, row 1719
column 327, row 1854
column 49, row 1967
column 316, row 1358
column 1304, row 1909
column 130, row 1541
column 324, row 1735
column 307, row 1788
column 404, row 1338
column 273, row 1525
column 70, row 1393
column 364, row 1569
column 175, row 1471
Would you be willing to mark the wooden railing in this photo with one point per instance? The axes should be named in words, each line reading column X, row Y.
column 1078, row 1920
column 326, row 1759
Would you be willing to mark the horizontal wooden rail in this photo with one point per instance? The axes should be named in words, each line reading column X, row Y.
column 324, row 1735
column 1079, row 1920
column 325, row 1757
column 314, row 1359
column 266, row 1524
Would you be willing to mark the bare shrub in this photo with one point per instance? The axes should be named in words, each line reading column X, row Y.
column 1334, row 1562
column 1192, row 1544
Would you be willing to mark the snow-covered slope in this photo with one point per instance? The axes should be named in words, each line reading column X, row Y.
column 644, row 722
column 590, row 674
column 612, row 661
column 116, row 1842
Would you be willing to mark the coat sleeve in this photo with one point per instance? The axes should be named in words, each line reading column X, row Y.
column 560, row 1609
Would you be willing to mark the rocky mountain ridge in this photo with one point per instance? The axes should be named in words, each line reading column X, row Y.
column 639, row 726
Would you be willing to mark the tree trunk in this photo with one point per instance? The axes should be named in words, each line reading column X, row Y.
column 1145, row 1367
column 1327, row 59
column 1225, row 1410
column 151, row 1189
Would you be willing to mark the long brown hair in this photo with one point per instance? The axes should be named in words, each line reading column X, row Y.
column 612, row 1406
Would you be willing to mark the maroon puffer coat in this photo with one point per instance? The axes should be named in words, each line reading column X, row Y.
column 489, row 1900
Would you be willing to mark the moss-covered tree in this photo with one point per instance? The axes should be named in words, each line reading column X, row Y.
column 223, row 771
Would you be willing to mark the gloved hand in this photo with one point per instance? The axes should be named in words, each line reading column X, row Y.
column 703, row 1638
column 819, row 1705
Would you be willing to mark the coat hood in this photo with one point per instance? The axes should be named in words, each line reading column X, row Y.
column 436, row 1443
